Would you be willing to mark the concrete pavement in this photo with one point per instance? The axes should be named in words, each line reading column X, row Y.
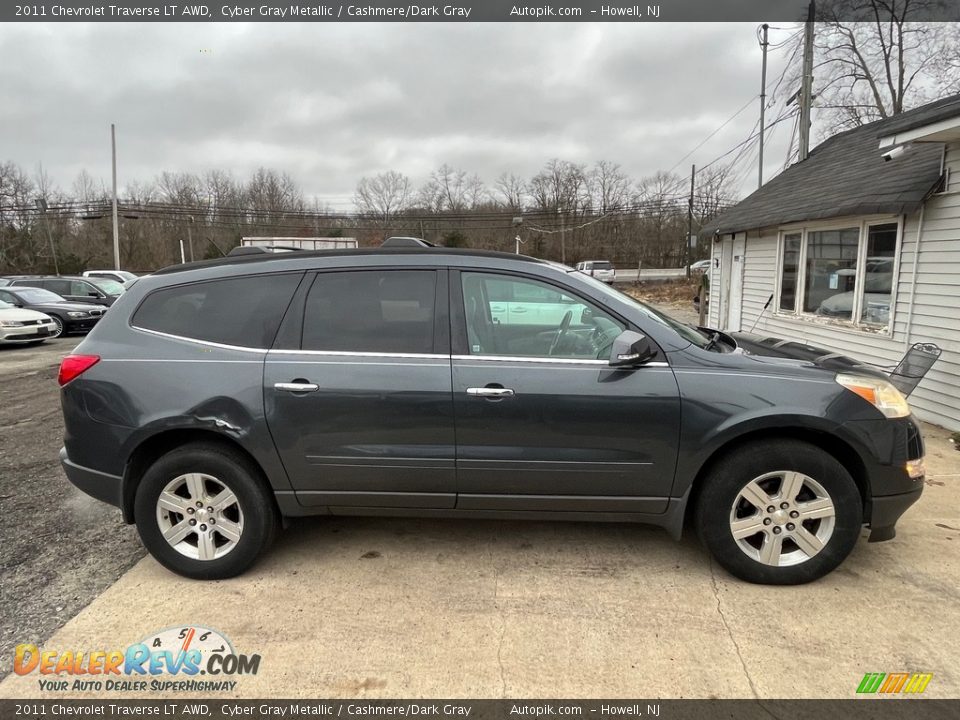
column 425, row 608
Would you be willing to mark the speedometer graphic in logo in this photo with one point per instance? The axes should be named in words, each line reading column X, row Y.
column 187, row 638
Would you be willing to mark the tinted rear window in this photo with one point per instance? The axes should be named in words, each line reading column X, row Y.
column 238, row 311
column 389, row 311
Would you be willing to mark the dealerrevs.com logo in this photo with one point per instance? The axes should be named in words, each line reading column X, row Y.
column 171, row 660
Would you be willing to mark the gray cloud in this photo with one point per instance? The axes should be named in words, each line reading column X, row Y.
column 331, row 103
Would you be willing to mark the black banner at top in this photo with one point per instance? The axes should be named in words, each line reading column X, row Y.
column 461, row 11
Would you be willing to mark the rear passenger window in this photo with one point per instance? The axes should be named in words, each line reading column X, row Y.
column 239, row 311
column 60, row 287
column 388, row 311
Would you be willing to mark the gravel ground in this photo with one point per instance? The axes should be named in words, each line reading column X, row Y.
column 59, row 549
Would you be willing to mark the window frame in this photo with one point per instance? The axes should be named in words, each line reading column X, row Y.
column 289, row 338
column 863, row 225
column 213, row 343
column 460, row 344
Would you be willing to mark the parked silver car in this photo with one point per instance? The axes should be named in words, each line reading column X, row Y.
column 24, row 326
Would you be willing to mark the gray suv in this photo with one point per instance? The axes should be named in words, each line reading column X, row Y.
column 219, row 397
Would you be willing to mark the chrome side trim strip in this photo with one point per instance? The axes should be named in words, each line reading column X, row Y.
column 222, row 346
column 554, row 361
column 350, row 353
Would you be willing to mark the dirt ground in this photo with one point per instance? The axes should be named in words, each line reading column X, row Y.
column 58, row 549
column 674, row 297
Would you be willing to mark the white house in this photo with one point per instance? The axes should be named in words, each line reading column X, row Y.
column 857, row 248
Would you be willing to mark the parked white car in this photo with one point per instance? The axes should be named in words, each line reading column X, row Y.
column 700, row 265
column 19, row 326
column 600, row 269
column 121, row 276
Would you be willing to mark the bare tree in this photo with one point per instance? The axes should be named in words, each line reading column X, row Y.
column 383, row 195
column 609, row 186
column 880, row 63
column 560, row 186
column 512, row 191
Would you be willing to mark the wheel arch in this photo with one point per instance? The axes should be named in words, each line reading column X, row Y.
column 838, row 448
column 154, row 447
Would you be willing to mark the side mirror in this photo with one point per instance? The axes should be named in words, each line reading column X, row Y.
column 95, row 294
column 631, row 349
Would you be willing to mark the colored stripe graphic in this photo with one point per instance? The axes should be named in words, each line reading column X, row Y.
column 870, row 682
column 893, row 683
column 918, row 682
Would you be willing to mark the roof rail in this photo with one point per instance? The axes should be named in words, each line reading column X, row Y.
column 406, row 242
column 260, row 249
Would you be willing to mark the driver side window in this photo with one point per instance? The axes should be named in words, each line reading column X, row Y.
column 515, row 316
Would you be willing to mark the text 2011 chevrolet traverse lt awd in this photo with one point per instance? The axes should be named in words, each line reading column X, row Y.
column 215, row 398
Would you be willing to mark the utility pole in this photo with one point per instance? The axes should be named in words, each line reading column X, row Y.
column 763, row 101
column 41, row 204
column 116, row 227
column 806, row 87
column 563, row 239
column 190, row 236
column 686, row 248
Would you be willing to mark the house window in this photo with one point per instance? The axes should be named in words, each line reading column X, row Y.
column 831, row 272
column 843, row 273
column 790, row 271
column 878, row 274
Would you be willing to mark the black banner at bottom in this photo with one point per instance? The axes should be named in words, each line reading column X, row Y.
column 891, row 708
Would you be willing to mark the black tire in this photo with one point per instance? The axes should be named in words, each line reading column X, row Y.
column 231, row 469
column 60, row 327
column 714, row 512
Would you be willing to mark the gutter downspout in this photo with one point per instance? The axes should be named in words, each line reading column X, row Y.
column 913, row 278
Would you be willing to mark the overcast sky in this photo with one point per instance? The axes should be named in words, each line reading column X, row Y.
column 330, row 103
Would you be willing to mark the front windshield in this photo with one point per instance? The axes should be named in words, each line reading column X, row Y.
column 33, row 296
column 5, row 305
column 127, row 276
column 687, row 332
column 110, row 287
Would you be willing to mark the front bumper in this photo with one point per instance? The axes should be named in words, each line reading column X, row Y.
column 26, row 333
column 886, row 510
column 81, row 324
column 100, row 485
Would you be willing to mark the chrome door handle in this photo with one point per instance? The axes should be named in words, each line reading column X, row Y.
column 297, row 387
column 491, row 392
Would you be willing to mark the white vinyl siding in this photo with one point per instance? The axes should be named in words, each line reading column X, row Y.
column 935, row 315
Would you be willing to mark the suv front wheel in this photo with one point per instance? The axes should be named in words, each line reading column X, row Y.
column 779, row 512
column 203, row 512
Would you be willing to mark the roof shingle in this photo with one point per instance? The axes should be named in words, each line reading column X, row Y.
column 847, row 175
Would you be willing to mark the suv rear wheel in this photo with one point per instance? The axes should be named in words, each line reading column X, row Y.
column 780, row 512
column 203, row 512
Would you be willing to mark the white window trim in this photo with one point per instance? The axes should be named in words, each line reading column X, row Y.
column 854, row 324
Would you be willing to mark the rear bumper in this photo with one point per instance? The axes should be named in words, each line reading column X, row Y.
column 886, row 510
column 100, row 485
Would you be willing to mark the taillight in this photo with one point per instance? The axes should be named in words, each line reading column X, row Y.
column 72, row 366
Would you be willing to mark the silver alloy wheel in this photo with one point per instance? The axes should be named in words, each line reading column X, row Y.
column 58, row 329
column 782, row 518
column 199, row 516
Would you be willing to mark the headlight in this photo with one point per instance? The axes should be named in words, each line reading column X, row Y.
column 77, row 313
column 10, row 323
column 878, row 392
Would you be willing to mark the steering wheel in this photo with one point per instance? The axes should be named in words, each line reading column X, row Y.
column 564, row 326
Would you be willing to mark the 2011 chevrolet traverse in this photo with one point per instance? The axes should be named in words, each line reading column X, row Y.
column 215, row 398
